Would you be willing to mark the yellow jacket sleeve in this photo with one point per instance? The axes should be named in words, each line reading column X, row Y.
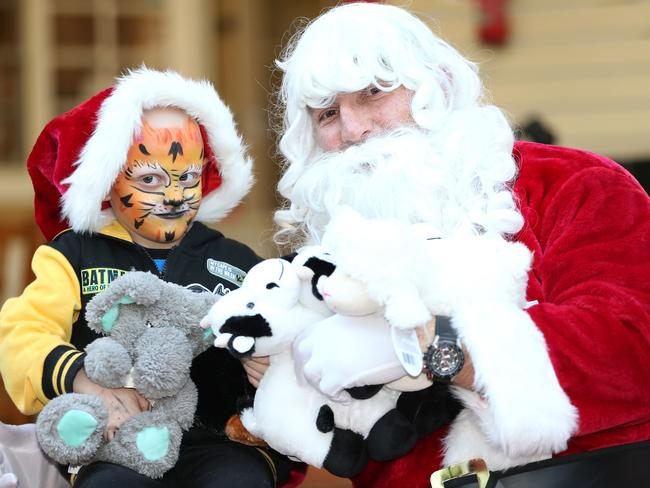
column 36, row 357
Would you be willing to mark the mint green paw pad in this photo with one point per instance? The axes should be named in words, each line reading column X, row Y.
column 153, row 442
column 75, row 427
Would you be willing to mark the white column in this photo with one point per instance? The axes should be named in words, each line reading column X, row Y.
column 187, row 37
column 37, row 77
column 106, row 63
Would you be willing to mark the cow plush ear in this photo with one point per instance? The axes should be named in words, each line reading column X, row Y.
column 241, row 346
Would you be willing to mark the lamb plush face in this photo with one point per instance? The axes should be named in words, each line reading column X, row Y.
column 243, row 319
column 345, row 295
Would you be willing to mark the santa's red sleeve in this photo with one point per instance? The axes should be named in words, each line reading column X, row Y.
column 588, row 225
column 582, row 382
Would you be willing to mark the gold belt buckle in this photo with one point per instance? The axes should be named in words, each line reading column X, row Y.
column 473, row 466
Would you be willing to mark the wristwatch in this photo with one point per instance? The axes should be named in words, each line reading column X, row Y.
column 444, row 358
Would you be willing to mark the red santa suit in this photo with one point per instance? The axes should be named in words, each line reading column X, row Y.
column 587, row 222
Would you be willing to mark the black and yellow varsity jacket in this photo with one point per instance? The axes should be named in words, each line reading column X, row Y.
column 43, row 332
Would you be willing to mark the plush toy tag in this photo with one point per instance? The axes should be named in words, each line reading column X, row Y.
column 128, row 380
column 407, row 348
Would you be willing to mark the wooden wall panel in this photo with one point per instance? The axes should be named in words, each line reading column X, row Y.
column 583, row 66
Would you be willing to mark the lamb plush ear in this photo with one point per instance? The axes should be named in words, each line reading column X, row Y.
column 304, row 273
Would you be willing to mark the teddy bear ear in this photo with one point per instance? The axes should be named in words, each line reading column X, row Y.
column 102, row 311
column 132, row 287
column 143, row 287
column 109, row 318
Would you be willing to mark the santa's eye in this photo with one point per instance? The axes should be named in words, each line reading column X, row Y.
column 372, row 90
column 250, row 305
column 272, row 285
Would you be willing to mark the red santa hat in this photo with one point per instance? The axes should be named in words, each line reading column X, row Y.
column 79, row 154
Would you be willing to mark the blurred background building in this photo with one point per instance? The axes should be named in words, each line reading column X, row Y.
column 569, row 72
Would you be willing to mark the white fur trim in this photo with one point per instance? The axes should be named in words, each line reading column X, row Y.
column 526, row 414
column 119, row 118
column 466, row 440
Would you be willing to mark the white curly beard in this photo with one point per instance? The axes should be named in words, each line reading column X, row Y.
column 404, row 175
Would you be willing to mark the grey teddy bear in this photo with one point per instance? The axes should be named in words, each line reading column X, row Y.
column 153, row 333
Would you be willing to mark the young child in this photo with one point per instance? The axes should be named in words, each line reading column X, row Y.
column 125, row 181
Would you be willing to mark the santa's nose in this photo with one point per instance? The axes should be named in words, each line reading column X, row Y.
column 356, row 125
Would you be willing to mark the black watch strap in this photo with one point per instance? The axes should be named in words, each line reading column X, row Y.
column 444, row 330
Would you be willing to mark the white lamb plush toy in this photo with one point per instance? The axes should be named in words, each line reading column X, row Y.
column 261, row 319
column 480, row 282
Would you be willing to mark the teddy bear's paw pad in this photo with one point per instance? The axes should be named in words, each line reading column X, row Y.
column 153, row 443
column 69, row 429
column 76, row 427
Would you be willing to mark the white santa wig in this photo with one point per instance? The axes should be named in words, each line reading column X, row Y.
column 354, row 46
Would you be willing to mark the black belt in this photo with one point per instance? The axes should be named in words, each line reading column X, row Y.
column 624, row 466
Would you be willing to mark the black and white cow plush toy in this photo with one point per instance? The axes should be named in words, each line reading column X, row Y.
column 262, row 318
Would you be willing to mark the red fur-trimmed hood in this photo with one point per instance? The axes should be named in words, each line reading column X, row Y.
column 80, row 153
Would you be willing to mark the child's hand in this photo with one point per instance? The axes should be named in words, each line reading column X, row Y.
column 121, row 403
column 255, row 368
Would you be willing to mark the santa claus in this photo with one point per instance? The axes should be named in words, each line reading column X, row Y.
column 569, row 378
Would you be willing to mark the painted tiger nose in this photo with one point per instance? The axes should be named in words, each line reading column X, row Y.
column 174, row 196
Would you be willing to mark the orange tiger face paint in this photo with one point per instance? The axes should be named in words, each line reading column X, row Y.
column 158, row 193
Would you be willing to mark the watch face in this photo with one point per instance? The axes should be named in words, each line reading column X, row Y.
column 445, row 361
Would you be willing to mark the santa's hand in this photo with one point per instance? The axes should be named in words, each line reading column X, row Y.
column 343, row 352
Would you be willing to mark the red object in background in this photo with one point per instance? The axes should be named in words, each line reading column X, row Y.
column 494, row 26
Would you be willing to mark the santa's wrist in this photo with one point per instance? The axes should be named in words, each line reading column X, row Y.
column 465, row 378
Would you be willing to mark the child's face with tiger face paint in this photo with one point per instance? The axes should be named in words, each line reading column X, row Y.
column 158, row 193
